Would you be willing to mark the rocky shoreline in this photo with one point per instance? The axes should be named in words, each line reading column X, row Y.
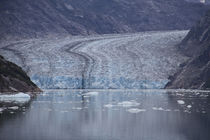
column 195, row 74
column 13, row 79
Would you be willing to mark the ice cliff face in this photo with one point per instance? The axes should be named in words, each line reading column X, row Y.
column 141, row 60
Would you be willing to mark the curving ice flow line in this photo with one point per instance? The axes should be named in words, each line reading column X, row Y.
column 88, row 61
column 141, row 60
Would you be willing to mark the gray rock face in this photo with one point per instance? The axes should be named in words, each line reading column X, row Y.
column 27, row 18
column 195, row 73
column 14, row 79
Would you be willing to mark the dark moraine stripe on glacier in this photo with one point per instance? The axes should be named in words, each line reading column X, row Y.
column 118, row 61
column 89, row 62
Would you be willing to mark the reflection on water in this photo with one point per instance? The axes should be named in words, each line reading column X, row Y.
column 111, row 115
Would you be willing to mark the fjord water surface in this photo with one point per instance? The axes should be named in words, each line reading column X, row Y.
column 111, row 115
column 121, row 61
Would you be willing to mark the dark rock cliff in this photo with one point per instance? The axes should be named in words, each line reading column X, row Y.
column 195, row 73
column 14, row 79
column 34, row 18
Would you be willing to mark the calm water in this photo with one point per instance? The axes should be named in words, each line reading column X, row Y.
column 110, row 115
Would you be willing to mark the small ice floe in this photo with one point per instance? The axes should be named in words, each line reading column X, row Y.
column 204, row 95
column 136, row 110
column 158, row 108
column 76, row 108
column 161, row 109
column 167, row 110
column 1, row 110
column 91, row 94
column 180, row 94
column 189, row 106
column 13, row 108
column 187, row 111
column 197, row 93
column 128, row 103
column 108, row 106
column 17, row 98
column 44, row 95
column 204, row 112
column 64, row 111
column 181, row 102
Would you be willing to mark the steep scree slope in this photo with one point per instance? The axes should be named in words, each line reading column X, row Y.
column 195, row 73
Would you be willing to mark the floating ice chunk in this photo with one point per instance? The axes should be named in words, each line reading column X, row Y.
column 76, row 108
column 158, row 108
column 187, row 111
column 197, row 93
column 161, row 109
column 91, row 94
column 18, row 98
column 44, row 95
column 189, row 106
column 136, row 110
column 203, row 112
column 128, row 103
column 1, row 110
column 181, row 102
column 14, row 108
column 154, row 108
column 85, row 96
column 64, row 111
column 109, row 105
column 180, row 94
column 203, row 95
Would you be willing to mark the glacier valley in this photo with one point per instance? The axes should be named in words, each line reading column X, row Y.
column 116, row 61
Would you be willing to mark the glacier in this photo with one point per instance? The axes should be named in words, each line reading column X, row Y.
column 114, row 61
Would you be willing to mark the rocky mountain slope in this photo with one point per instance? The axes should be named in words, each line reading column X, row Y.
column 196, row 45
column 14, row 79
column 26, row 18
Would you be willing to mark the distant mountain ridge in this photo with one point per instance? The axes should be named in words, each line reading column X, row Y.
column 27, row 18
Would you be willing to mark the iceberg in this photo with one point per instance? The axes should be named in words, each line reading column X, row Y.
column 15, row 98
